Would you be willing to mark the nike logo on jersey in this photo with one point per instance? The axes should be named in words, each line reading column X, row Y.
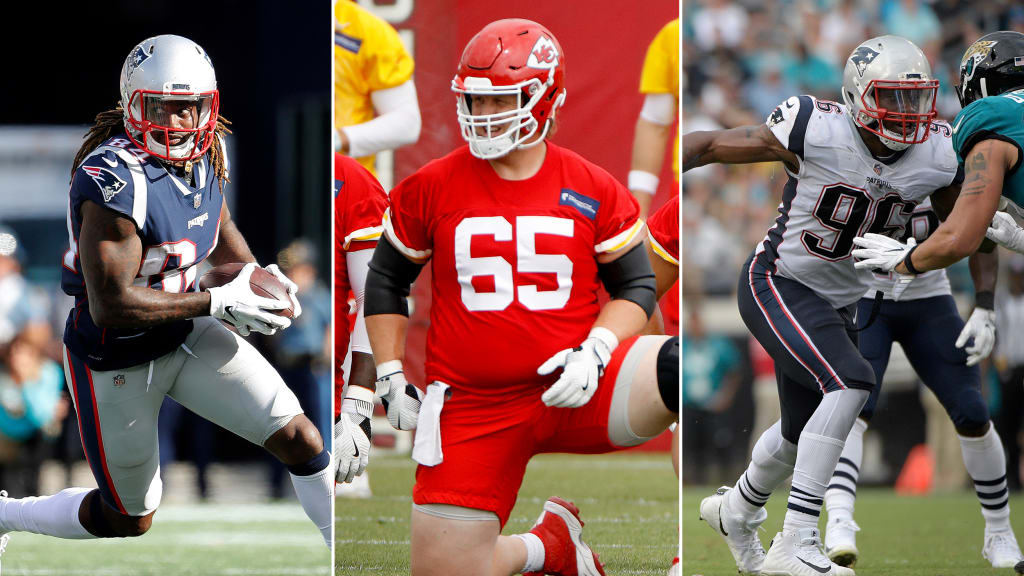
column 957, row 125
column 110, row 162
column 815, row 568
column 108, row 182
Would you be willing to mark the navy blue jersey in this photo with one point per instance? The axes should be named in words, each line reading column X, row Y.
column 178, row 225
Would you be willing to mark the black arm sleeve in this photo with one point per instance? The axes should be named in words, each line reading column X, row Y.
column 629, row 277
column 388, row 281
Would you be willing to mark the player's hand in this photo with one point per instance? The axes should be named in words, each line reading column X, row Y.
column 292, row 287
column 401, row 399
column 982, row 326
column 236, row 304
column 1004, row 231
column 880, row 252
column 352, row 434
column 581, row 368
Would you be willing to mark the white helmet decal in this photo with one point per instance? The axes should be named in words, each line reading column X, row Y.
column 544, row 54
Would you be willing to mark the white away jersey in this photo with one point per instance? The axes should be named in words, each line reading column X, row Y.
column 922, row 223
column 841, row 192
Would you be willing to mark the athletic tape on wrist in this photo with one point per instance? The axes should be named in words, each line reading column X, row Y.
column 642, row 181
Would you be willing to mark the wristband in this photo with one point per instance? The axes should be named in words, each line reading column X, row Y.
column 909, row 263
column 385, row 369
column 642, row 181
column 606, row 336
column 985, row 299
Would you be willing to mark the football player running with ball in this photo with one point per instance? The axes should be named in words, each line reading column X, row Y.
column 146, row 207
column 987, row 137
column 862, row 166
column 522, row 359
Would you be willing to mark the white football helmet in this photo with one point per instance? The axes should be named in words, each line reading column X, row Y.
column 889, row 88
column 161, row 77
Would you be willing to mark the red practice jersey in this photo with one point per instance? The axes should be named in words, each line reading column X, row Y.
column 663, row 227
column 359, row 204
column 514, row 262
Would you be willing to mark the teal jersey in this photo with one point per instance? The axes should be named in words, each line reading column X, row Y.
column 996, row 117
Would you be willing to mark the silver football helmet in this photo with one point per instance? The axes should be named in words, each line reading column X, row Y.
column 889, row 89
column 170, row 99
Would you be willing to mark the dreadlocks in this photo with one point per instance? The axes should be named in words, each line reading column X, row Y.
column 111, row 122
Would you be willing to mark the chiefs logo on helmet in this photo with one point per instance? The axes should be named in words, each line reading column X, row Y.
column 544, row 54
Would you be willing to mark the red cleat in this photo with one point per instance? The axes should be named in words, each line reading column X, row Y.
column 561, row 531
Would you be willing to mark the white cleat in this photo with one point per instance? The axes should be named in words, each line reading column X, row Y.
column 1001, row 549
column 4, row 537
column 799, row 554
column 740, row 534
column 841, row 541
column 676, row 569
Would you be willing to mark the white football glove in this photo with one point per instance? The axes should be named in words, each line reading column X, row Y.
column 1004, row 231
column 581, row 368
column 236, row 303
column 882, row 252
column 352, row 434
column 292, row 287
column 982, row 326
column 401, row 399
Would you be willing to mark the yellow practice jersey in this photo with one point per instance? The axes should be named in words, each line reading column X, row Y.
column 661, row 72
column 368, row 56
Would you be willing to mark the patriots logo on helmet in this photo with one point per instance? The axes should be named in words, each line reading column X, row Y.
column 862, row 57
column 544, row 54
column 107, row 181
column 136, row 59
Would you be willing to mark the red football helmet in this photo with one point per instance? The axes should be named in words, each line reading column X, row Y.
column 510, row 57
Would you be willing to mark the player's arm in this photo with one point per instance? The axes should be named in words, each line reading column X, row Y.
column 231, row 246
column 110, row 250
column 388, row 283
column 396, row 124
column 665, row 274
column 743, row 145
column 963, row 231
column 651, row 135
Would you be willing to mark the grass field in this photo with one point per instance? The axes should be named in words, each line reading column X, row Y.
column 212, row 539
column 900, row 535
column 628, row 502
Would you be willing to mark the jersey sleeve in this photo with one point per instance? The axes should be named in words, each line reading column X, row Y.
column 114, row 180
column 788, row 122
column 660, row 74
column 406, row 219
column 995, row 117
column 663, row 227
column 386, row 62
column 618, row 217
column 359, row 207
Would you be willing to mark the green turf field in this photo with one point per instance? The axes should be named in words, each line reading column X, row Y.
column 213, row 539
column 900, row 535
column 628, row 502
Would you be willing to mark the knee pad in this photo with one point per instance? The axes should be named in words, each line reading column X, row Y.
column 773, row 446
column 835, row 415
column 316, row 464
column 969, row 412
column 668, row 373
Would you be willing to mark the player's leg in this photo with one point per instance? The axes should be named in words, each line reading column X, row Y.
column 117, row 416
column 875, row 343
column 942, row 367
column 460, row 504
column 226, row 381
column 815, row 346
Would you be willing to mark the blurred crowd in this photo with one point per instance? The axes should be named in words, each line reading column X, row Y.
column 741, row 59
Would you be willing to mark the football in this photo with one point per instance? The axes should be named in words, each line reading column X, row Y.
column 263, row 283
